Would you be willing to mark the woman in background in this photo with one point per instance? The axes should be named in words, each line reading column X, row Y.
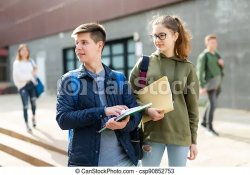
column 24, row 73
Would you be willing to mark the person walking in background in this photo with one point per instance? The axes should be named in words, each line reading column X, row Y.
column 175, row 131
column 210, row 73
column 24, row 73
column 97, row 104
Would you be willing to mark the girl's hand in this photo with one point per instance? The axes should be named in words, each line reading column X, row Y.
column 193, row 152
column 155, row 114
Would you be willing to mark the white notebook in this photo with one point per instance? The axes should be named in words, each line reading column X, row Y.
column 128, row 112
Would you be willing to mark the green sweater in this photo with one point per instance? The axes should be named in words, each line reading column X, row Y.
column 209, row 69
column 180, row 125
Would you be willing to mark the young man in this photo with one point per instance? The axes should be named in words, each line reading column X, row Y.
column 90, row 98
column 210, row 74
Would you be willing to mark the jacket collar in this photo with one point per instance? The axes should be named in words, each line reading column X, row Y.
column 206, row 51
column 82, row 72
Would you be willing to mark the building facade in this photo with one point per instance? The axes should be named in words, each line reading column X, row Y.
column 47, row 33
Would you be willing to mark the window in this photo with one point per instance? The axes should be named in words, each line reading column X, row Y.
column 4, row 64
column 70, row 61
column 117, row 54
column 120, row 55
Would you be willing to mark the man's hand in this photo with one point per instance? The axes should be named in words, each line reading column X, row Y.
column 155, row 114
column 221, row 62
column 113, row 125
column 115, row 110
column 203, row 91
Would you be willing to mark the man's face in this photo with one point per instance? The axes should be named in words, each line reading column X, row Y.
column 86, row 49
column 212, row 44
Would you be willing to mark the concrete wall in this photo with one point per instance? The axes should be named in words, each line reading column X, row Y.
column 228, row 19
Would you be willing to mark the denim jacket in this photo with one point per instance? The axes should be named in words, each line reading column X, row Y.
column 84, row 118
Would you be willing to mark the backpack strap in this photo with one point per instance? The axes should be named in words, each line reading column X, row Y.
column 206, row 65
column 143, row 71
column 32, row 63
column 120, row 81
column 73, row 78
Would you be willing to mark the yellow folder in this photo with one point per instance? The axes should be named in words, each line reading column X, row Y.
column 159, row 94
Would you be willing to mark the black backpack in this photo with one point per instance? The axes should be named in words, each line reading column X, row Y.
column 137, row 134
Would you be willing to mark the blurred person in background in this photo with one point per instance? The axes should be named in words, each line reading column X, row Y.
column 24, row 77
column 210, row 73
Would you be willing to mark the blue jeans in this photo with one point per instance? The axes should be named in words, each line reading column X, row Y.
column 177, row 155
column 28, row 92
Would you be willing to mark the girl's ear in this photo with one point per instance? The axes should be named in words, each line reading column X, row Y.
column 176, row 35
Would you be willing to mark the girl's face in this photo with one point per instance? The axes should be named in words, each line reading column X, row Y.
column 24, row 53
column 164, row 38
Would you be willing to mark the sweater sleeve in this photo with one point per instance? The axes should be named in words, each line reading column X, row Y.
column 191, row 98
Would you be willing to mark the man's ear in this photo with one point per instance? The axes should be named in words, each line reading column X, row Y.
column 100, row 45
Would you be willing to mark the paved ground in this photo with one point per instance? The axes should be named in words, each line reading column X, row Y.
column 47, row 145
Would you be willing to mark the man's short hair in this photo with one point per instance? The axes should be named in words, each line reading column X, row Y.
column 208, row 37
column 97, row 31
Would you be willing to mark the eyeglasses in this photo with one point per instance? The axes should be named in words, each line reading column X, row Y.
column 161, row 36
